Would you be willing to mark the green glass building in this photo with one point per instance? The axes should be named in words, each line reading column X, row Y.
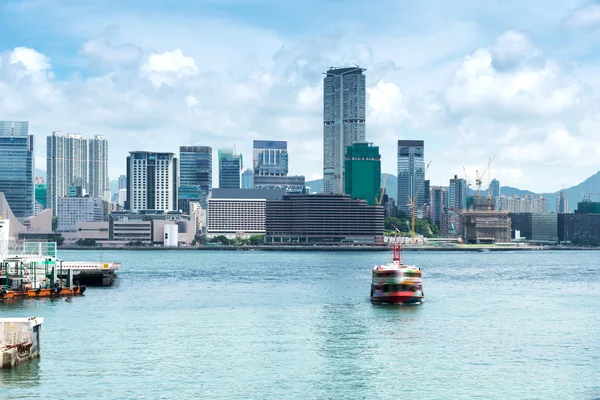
column 362, row 172
column 40, row 194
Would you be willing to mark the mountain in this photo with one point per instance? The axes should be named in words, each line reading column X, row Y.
column 591, row 186
column 39, row 172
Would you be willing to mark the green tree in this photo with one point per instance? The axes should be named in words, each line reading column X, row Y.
column 256, row 240
column 58, row 239
column 221, row 239
column 54, row 224
column 202, row 239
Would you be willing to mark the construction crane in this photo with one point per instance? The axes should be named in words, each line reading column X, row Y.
column 381, row 191
column 413, row 205
column 467, row 181
column 478, row 180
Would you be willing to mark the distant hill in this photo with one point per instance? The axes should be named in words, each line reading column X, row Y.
column 42, row 173
column 591, row 186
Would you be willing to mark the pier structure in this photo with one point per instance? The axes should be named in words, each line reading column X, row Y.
column 19, row 340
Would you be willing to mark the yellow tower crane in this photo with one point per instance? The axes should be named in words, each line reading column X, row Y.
column 413, row 205
column 479, row 179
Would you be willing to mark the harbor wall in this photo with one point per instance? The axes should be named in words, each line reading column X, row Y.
column 20, row 340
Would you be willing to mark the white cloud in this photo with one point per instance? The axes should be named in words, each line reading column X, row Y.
column 103, row 52
column 166, row 67
column 586, row 16
column 386, row 104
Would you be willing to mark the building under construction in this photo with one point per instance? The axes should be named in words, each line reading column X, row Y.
column 482, row 224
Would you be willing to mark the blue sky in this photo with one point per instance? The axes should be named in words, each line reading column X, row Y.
column 512, row 79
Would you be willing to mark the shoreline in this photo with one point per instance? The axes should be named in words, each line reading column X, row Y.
column 475, row 248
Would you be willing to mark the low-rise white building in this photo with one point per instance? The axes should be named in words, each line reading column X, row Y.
column 239, row 211
column 71, row 210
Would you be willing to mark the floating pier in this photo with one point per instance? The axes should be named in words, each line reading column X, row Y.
column 20, row 340
column 89, row 273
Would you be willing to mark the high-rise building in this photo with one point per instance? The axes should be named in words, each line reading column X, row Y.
column 362, row 172
column 270, row 161
column 439, row 204
column 98, row 162
column 230, row 166
column 270, row 158
column 122, row 182
column 562, row 203
column 247, row 179
column 343, row 121
column 67, row 165
column 525, row 204
column 495, row 188
column 152, row 181
column 79, row 209
column 195, row 175
column 411, row 174
column 457, row 194
column 17, row 167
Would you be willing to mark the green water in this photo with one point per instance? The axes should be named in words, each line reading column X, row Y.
column 185, row 325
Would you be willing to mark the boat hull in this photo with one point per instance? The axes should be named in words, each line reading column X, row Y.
column 400, row 298
column 42, row 292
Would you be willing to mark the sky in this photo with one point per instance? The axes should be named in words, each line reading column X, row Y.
column 514, row 80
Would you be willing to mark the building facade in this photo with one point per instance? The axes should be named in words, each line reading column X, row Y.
column 439, row 205
column 248, row 179
column 535, row 227
column 152, row 181
column 98, row 167
column 195, row 174
column 79, row 209
column 411, row 174
column 230, row 166
column 526, row 204
column 344, row 116
column 67, row 165
column 323, row 219
column 362, row 172
column 457, row 194
column 239, row 211
column 562, row 203
column 17, row 167
column 270, row 158
column 149, row 227
column 583, row 229
column 495, row 188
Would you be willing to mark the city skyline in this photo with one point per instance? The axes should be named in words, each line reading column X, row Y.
column 487, row 82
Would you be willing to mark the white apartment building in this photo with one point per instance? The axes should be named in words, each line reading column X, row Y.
column 525, row 204
column 71, row 210
column 153, row 181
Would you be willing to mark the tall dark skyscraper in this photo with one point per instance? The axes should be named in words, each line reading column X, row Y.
column 411, row 173
column 17, row 167
column 343, row 121
column 195, row 175
column 495, row 188
column 457, row 196
column 230, row 166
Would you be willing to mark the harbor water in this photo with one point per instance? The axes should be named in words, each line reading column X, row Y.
column 251, row 324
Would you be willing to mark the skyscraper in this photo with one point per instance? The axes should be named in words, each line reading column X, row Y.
column 230, row 166
column 66, row 165
column 122, row 182
column 363, row 172
column 195, row 180
column 152, row 181
column 270, row 158
column 248, row 179
column 270, row 161
column 457, row 194
column 17, row 167
column 495, row 188
column 439, row 204
column 98, row 162
column 562, row 203
column 343, row 121
column 411, row 174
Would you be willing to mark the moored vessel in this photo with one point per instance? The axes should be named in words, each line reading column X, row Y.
column 396, row 282
column 30, row 278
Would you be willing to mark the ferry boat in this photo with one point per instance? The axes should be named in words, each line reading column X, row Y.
column 396, row 282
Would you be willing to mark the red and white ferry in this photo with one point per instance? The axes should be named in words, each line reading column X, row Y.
column 397, row 282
